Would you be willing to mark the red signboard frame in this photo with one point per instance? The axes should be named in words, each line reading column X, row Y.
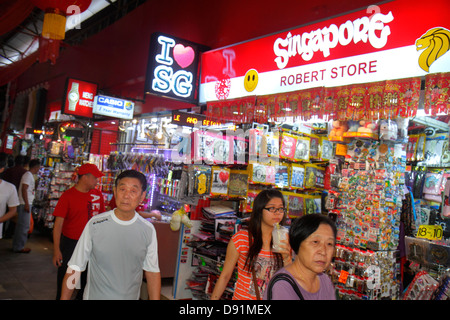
column 406, row 21
column 79, row 98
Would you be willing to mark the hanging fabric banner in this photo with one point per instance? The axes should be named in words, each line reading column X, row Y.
column 409, row 96
column 236, row 110
column 330, row 102
column 374, row 101
column 283, row 110
column 312, row 103
column 342, row 101
column 388, row 99
column 356, row 103
column 391, row 98
column 267, row 108
column 437, row 95
column 294, row 104
column 402, row 96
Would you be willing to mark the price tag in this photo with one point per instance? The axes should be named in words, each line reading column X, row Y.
column 343, row 277
column 430, row 232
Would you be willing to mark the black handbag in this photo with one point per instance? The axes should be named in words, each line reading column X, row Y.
column 283, row 277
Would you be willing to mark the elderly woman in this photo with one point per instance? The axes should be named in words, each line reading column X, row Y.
column 312, row 237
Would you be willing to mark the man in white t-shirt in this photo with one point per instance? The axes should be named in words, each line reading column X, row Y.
column 8, row 196
column 119, row 245
column 26, row 197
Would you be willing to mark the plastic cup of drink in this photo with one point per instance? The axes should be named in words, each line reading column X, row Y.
column 279, row 233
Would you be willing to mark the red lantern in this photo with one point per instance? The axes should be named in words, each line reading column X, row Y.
column 54, row 27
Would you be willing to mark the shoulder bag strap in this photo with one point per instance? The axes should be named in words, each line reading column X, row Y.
column 255, row 284
column 258, row 297
column 283, row 277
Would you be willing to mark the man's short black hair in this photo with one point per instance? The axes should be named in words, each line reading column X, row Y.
column 133, row 174
column 3, row 160
column 34, row 163
column 19, row 160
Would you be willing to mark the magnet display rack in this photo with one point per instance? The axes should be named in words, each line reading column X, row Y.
column 367, row 179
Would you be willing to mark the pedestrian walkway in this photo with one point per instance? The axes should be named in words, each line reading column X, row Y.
column 32, row 276
column 28, row 276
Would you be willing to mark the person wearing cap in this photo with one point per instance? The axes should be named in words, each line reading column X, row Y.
column 72, row 212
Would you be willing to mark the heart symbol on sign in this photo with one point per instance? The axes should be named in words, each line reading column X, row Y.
column 183, row 55
column 223, row 176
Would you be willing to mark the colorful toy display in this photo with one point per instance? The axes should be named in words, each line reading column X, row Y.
column 337, row 130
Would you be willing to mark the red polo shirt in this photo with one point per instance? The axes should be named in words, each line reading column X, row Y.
column 77, row 208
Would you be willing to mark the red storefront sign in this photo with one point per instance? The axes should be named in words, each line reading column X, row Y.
column 79, row 98
column 394, row 40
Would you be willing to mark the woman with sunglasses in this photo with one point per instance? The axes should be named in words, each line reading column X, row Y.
column 252, row 251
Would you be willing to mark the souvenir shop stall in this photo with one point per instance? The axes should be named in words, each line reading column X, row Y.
column 152, row 144
column 61, row 146
column 350, row 152
column 379, row 90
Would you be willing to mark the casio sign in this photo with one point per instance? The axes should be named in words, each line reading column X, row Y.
column 110, row 101
column 113, row 107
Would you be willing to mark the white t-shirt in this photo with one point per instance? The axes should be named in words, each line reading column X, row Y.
column 117, row 252
column 8, row 197
column 27, row 179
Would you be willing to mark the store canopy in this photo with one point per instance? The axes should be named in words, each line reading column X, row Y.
column 378, row 100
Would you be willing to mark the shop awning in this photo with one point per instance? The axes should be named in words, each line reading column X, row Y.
column 378, row 100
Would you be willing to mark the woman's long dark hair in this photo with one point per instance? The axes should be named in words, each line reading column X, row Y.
column 254, row 227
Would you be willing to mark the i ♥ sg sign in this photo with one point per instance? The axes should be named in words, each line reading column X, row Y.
column 172, row 69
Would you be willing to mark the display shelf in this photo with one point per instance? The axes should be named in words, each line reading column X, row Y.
column 52, row 182
column 368, row 188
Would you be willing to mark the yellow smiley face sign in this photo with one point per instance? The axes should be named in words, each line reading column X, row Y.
column 251, row 80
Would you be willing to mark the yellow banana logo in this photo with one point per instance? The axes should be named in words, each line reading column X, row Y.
column 436, row 42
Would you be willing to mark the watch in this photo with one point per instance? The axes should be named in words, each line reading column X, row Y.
column 73, row 96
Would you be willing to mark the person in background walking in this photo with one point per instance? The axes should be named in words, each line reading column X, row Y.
column 13, row 174
column 26, row 197
column 8, row 196
column 74, row 209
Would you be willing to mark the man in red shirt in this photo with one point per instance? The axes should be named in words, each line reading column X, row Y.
column 73, row 210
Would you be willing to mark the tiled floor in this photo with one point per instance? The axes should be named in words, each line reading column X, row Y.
column 32, row 276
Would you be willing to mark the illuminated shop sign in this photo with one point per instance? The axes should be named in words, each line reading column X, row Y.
column 172, row 69
column 191, row 120
column 393, row 40
column 113, row 107
column 79, row 98
column 38, row 131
